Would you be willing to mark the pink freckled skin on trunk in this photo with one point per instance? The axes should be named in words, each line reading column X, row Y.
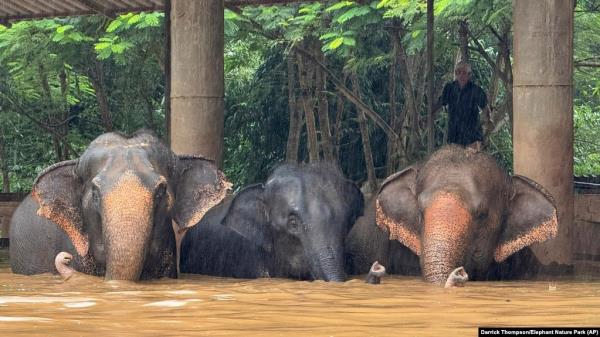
column 127, row 227
column 446, row 225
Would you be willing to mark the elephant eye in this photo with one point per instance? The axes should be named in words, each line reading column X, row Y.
column 293, row 221
column 160, row 192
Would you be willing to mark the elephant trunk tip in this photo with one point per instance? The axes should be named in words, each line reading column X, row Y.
column 376, row 272
column 457, row 278
column 61, row 263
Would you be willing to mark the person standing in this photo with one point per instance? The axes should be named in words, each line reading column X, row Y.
column 464, row 100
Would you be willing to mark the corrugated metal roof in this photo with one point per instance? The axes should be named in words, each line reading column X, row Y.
column 11, row 10
column 29, row 9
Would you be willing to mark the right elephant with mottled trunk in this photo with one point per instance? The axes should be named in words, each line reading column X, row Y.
column 459, row 208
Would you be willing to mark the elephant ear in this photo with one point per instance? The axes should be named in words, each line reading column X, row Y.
column 200, row 186
column 397, row 211
column 58, row 190
column 531, row 218
column 247, row 216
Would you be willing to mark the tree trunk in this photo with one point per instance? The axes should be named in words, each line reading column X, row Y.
column 508, row 74
column 430, row 78
column 366, row 142
column 46, row 93
column 47, row 104
column 149, row 112
column 4, row 166
column 463, row 40
column 348, row 94
column 323, row 109
column 502, row 70
column 293, row 143
column 308, row 106
column 339, row 116
column 487, row 120
column 337, row 82
column 97, row 80
column 392, row 143
column 167, row 71
column 413, row 113
column 63, row 129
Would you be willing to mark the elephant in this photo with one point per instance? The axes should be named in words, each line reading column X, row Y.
column 292, row 226
column 367, row 243
column 114, row 209
column 460, row 208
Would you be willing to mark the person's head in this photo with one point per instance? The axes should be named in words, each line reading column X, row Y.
column 462, row 73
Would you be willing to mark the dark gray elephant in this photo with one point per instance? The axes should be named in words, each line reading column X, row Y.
column 367, row 243
column 459, row 208
column 292, row 226
column 114, row 209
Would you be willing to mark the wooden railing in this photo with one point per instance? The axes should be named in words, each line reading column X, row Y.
column 8, row 204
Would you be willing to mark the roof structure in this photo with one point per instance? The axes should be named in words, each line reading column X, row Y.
column 12, row 10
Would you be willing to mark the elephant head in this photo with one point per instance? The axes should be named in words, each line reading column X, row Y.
column 461, row 209
column 116, row 203
column 300, row 217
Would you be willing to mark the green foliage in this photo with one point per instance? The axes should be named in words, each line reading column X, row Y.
column 587, row 140
column 256, row 120
column 128, row 51
column 128, row 31
column 586, row 103
column 46, row 81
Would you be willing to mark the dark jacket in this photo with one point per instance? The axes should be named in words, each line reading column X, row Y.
column 463, row 109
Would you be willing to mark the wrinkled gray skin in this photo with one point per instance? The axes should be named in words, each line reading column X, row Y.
column 458, row 208
column 292, row 226
column 367, row 243
column 113, row 209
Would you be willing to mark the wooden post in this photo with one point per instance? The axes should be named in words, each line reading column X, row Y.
column 197, row 78
column 543, row 109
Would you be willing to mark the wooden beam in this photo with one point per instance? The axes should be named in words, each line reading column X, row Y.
column 53, row 8
column 16, row 8
column 95, row 6
column 237, row 3
column 39, row 7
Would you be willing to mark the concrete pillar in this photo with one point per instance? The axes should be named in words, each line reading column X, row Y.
column 543, row 109
column 197, row 78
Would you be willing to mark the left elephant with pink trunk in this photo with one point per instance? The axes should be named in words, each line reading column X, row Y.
column 459, row 208
column 114, row 209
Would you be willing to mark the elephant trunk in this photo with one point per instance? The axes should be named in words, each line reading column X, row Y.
column 329, row 264
column 446, row 225
column 126, row 242
column 127, row 229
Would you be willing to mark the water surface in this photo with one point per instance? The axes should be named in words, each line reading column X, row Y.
column 44, row 305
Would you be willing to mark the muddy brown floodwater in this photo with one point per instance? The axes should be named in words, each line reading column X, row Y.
column 44, row 305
